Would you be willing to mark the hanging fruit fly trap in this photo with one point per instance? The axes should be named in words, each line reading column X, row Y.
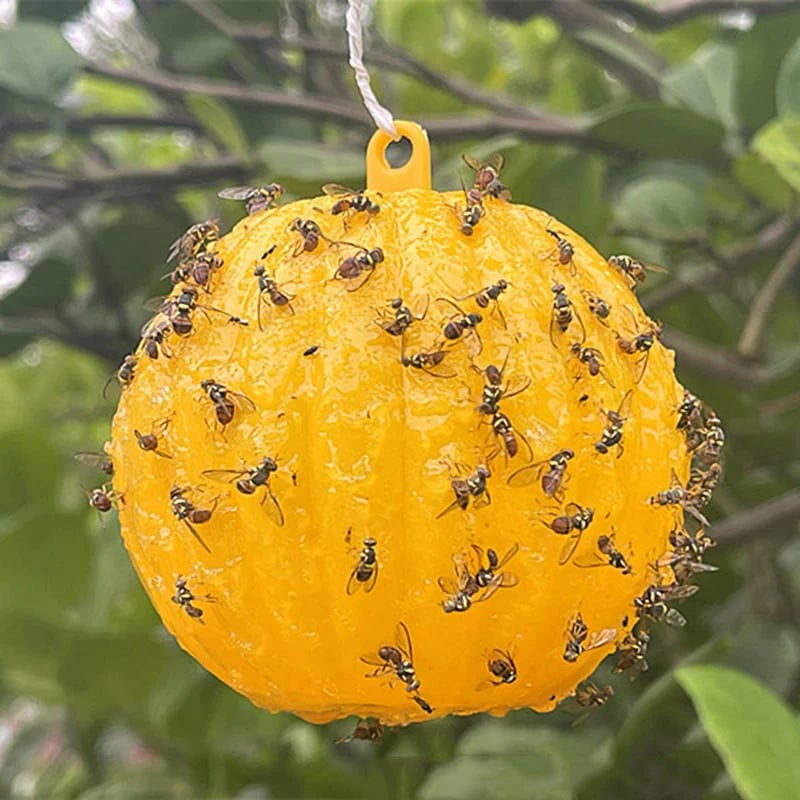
column 445, row 473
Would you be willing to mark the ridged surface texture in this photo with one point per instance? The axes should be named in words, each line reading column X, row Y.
column 366, row 445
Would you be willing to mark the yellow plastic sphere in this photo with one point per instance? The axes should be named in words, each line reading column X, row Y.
column 367, row 447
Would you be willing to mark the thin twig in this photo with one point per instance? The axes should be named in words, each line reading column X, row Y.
column 561, row 129
column 750, row 342
column 308, row 105
column 632, row 61
column 89, row 123
column 129, row 181
column 764, row 518
column 673, row 12
column 730, row 262
column 715, row 362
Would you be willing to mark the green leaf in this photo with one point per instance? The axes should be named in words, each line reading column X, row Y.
column 761, row 52
column 706, row 84
column 661, row 207
column 312, row 161
column 755, row 732
column 787, row 85
column 779, row 143
column 656, row 130
column 526, row 762
column 44, row 289
column 219, row 121
column 35, row 61
column 762, row 181
column 58, row 551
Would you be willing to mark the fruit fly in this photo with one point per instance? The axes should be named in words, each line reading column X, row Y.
column 397, row 659
column 225, row 401
column 366, row 730
column 597, row 306
column 565, row 251
column 615, row 420
column 154, row 335
column 270, row 292
column 579, row 640
column 104, row 499
column 690, row 412
column 398, row 318
column 593, row 359
column 632, row 650
column 350, row 200
column 589, row 697
column 712, row 440
column 490, row 294
column 493, row 389
column 551, row 472
column 572, row 523
column 179, row 309
column 462, row 326
column 563, row 314
column 510, row 438
column 608, row 556
column 466, row 485
column 429, row 362
column 473, row 210
column 502, row 669
column 256, row 198
column 641, row 342
column 310, row 234
column 149, row 441
column 358, row 268
column 197, row 269
column 188, row 513
column 101, row 461
column 250, row 479
column 476, row 579
column 686, row 558
column 632, row 269
column 186, row 598
column 677, row 495
column 194, row 240
column 651, row 604
column 125, row 373
column 487, row 175
column 365, row 572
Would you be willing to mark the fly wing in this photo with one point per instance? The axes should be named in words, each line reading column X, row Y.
column 600, row 638
column 272, row 507
column 527, row 475
column 224, row 475
column 512, row 551
column 402, row 639
column 337, row 190
column 569, row 548
column 237, row 192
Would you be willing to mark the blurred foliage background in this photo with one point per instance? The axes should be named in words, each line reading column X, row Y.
column 668, row 130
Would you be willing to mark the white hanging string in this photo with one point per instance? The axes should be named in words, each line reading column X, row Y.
column 355, row 26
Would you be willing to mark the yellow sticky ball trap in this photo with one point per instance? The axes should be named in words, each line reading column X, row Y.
column 361, row 435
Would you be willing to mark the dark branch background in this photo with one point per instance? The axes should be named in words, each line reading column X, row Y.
column 668, row 130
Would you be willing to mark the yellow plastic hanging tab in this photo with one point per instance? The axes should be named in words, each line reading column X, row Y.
column 414, row 174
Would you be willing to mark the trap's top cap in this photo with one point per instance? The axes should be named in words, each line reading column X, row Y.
column 414, row 174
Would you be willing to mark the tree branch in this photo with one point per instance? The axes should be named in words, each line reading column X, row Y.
column 673, row 12
column 761, row 519
column 750, row 342
column 561, row 129
column 88, row 123
column 632, row 61
column 715, row 362
column 731, row 262
column 128, row 181
column 307, row 105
